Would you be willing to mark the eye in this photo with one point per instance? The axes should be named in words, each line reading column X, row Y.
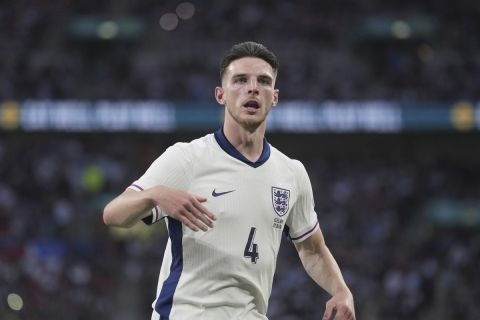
column 240, row 80
column 264, row 80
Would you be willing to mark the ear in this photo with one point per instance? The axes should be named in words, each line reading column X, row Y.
column 219, row 95
column 275, row 97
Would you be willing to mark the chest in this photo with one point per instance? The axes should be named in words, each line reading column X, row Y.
column 240, row 194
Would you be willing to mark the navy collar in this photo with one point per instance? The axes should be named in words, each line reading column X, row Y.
column 230, row 149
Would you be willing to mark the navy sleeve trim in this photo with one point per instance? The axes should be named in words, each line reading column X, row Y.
column 306, row 233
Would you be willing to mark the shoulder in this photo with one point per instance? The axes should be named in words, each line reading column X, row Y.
column 194, row 147
column 293, row 164
column 294, row 167
column 199, row 143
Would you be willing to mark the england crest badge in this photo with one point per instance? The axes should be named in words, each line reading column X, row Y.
column 280, row 200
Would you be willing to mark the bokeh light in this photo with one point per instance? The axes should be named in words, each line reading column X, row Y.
column 93, row 178
column 425, row 52
column 169, row 21
column 185, row 10
column 401, row 29
column 107, row 30
column 15, row 302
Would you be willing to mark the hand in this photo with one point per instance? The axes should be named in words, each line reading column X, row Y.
column 184, row 207
column 340, row 307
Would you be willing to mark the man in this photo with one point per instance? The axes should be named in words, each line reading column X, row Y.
column 227, row 197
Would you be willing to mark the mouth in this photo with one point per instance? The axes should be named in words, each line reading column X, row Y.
column 252, row 105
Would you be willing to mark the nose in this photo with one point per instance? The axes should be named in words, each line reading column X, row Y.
column 253, row 86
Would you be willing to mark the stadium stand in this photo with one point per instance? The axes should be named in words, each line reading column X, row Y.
column 400, row 211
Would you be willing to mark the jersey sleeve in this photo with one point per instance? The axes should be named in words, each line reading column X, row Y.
column 302, row 222
column 170, row 170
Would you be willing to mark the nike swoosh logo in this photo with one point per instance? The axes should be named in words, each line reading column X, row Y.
column 217, row 194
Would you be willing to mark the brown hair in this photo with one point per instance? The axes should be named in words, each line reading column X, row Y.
column 248, row 49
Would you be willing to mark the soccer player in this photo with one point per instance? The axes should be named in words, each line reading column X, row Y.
column 227, row 198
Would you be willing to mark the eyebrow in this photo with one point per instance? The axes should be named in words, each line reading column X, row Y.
column 261, row 76
column 265, row 77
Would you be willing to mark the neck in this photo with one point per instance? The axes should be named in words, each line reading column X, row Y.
column 248, row 143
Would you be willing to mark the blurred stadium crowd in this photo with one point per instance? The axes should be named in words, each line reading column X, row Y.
column 414, row 51
column 401, row 263
column 57, row 255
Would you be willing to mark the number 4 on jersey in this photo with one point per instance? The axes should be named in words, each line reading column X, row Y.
column 251, row 249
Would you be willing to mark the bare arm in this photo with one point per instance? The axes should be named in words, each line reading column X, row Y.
column 131, row 206
column 323, row 269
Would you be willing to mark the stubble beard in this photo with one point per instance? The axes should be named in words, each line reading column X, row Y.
column 250, row 125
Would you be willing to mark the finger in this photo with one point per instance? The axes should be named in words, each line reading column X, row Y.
column 329, row 312
column 191, row 221
column 204, row 211
column 199, row 224
column 188, row 223
column 200, row 216
column 191, row 215
column 200, row 198
column 202, row 208
column 343, row 313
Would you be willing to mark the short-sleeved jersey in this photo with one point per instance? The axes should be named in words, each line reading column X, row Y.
column 227, row 271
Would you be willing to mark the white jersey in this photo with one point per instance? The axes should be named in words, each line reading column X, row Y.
column 227, row 271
